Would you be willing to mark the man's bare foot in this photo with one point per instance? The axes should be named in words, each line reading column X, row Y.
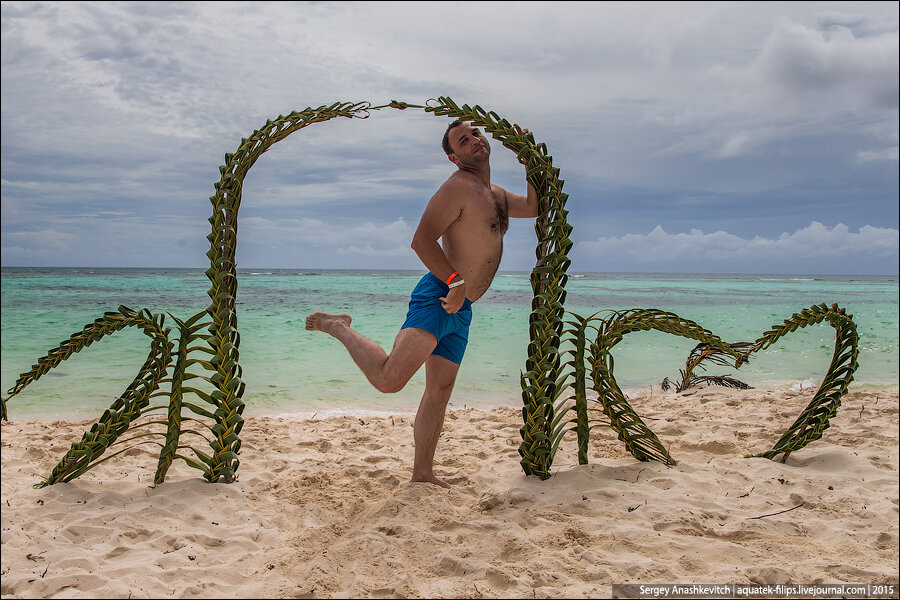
column 325, row 322
column 430, row 479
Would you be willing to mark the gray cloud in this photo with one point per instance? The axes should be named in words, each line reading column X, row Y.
column 754, row 119
column 833, row 59
column 710, row 251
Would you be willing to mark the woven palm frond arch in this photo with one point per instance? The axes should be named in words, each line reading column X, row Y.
column 204, row 377
column 200, row 381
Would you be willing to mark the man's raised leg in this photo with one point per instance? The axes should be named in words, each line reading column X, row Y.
column 440, row 375
column 388, row 373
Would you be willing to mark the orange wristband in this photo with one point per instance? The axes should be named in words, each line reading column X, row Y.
column 452, row 275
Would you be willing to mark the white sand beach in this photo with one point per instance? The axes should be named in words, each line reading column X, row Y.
column 324, row 508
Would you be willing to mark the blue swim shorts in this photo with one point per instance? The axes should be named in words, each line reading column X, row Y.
column 426, row 312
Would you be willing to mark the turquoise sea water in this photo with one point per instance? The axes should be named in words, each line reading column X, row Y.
column 290, row 370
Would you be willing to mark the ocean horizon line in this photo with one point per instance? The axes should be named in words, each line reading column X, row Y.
column 304, row 270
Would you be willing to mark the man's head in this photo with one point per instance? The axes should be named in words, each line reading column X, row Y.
column 445, row 141
column 464, row 143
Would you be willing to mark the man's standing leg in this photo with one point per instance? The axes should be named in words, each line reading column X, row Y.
column 440, row 375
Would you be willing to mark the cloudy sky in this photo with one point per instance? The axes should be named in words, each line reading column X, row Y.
column 692, row 137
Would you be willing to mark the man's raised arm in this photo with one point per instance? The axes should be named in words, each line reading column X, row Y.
column 518, row 206
column 522, row 206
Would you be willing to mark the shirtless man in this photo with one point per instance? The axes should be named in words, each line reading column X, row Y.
column 469, row 215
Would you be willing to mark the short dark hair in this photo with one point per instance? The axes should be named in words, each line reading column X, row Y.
column 445, row 141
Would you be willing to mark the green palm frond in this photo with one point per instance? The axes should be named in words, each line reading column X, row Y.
column 127, row 407
column 189, row 332
column 701, row 353
column 815, row 418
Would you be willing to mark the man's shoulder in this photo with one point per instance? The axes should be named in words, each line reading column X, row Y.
column 457, row 179
column 455, row 185
column 499, row 190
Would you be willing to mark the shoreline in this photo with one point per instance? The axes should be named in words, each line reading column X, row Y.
column 324, row 508
column 486, row 403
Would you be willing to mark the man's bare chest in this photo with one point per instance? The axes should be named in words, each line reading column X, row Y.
column 486, row 213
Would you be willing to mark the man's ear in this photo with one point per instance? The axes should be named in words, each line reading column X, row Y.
column 452, row 158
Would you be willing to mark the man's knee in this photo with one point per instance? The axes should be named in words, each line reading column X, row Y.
column 443, row 390
column 390, row 383
column 438, row 394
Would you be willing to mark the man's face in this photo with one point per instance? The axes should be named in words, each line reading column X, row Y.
column 468, row 144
